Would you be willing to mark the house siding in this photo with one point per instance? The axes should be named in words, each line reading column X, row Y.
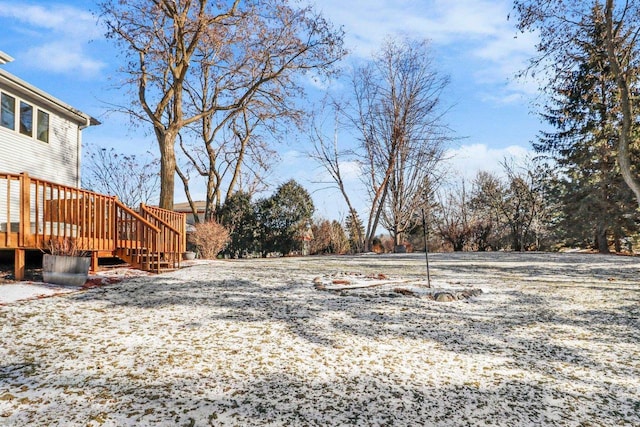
column 55, row 161
column 9, row 205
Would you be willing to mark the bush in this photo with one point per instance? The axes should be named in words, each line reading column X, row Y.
column 210, row 238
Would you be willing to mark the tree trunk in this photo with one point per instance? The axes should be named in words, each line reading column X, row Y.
column 515, row 239
column 167, row 170
column 601, row 240
column 373, row 222
column 397, row 241
column 624, row 160
column 187, row 192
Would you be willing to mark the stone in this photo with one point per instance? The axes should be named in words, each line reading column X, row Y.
column 444, row 297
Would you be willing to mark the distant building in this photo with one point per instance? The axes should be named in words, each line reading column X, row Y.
column 185, row 208
column 39, row 134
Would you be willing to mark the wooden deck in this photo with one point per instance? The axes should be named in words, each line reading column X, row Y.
column 34, row 213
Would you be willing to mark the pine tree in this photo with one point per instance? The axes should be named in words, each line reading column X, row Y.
column 584, row 111
column 237, row 215
column 355, row 232
column 281, row 217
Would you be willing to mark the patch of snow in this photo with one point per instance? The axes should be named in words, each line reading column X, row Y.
column 552, row 340
column 18, row 291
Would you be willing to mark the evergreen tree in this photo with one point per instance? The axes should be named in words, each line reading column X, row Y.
column 282, row 217
column 237, row 215
column 584, row 110
column 355, row 232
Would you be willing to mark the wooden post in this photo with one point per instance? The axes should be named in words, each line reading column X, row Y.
column 183, row 236
column 94, row 261
column 24, row 229
column 19, row 263
column 426, row 247
column 114, row 225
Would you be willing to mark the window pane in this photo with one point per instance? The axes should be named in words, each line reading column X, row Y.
column 43, row 126
column 8, row 112
column 26, row 119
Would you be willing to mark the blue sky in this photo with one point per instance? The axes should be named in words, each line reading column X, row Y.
column 59, row 48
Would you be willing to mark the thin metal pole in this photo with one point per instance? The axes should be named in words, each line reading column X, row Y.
column 426, row 247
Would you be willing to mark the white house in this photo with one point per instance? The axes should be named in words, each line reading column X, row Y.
column 39, row 134
column 41, row 137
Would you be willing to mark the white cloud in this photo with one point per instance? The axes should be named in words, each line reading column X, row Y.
column 467, row 160
column 350, row 171
column 443, row 21
column 62, row 58
column 466, row 19
column 58, row 37
column 59, row 18
column 475, row 32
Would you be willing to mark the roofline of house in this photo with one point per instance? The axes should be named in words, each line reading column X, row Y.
column 186, row 207
column 84, row 120
column 5, row 58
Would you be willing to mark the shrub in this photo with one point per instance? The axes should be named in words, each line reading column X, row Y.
column 209, row 238
column 328, row 238
column 66, row 246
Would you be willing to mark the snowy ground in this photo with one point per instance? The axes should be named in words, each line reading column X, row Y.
column 13, row 291
column 553, row 339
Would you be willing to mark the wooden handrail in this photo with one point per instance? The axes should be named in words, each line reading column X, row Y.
column 136, row 215
column 157, row 218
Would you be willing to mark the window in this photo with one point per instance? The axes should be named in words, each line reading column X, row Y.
column 26, row 119
column 43, row 126
column 8, row 111
column 27, row 115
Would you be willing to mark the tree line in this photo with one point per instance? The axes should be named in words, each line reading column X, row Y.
column 217, row 83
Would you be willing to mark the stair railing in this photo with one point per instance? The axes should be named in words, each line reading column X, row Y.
column 171, row 238
column 137, row 240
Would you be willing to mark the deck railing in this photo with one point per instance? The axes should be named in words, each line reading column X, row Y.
column 172, row 236
column 37, row 212
column 10, row 190
column 34, row 213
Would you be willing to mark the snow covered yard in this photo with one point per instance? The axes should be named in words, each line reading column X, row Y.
column 554, row 339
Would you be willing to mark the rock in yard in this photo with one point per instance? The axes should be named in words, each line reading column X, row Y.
column 444, row 297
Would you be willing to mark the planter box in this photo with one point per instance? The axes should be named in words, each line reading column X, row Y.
column 65, row 270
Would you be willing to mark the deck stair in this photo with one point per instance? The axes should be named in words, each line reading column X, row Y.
column 146, row 238
column 34, row 212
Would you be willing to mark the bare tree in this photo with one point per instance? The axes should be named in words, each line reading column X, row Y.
column 398, row 116
column 488, row 228
column 230, row 158
column 327, row 153
column 159, row 39
column 229, row 51
column 250, row 84
column 328, row 238
column 453, row 216
column 133, row 179
column 517, row 202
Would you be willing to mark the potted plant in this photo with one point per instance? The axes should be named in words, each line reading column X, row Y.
column 189, row 255
column 66, row 263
